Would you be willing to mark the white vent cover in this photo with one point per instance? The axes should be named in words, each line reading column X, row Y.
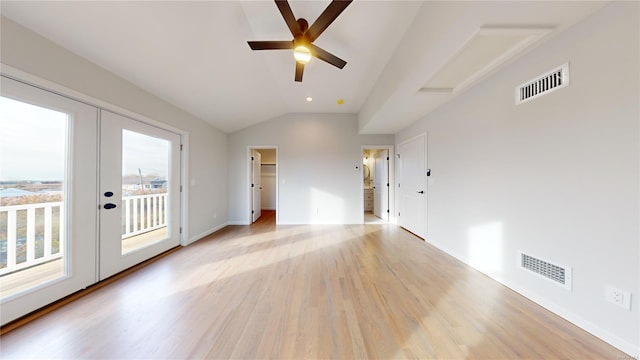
column 560, row 275
column 544, row 84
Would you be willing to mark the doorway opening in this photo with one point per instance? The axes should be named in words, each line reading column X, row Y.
column 263, row 183
column 376, row 184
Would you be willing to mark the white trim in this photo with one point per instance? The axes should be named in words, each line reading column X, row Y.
column 205, row 234
column 595, row 330
column 249, row 149
column 33, row 80
column 391, row 179
column 50, row 86
column 184, row 175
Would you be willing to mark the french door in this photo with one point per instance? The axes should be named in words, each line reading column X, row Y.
column 84, row 194
column 413, row 182
column 139, row 192
column 48, row 174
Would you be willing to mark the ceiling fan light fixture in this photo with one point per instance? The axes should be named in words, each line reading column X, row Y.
column 302, row 54
column 304, row 36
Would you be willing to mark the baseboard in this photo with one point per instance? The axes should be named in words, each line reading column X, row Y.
column 597, row 331
column 206, row 233
column 580, row 322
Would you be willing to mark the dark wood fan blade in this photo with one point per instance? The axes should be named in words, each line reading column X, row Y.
column 288, row 16
column 270, row 45
column 327, row 56
column 299, row 71
column 326, row 18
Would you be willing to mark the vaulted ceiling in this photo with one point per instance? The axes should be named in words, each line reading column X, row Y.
column 404, row 58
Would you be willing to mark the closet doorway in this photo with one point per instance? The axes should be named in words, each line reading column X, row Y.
column 376, row 184
column 263, row 182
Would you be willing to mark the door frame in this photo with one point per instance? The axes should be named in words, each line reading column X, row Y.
column 47, row 85
column 111, row 259
column 392, row 181
column 426, row 182
column 250, row 149
column 80, row 200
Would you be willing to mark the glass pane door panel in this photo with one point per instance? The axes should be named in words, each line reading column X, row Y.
column 140, row 192
column 33, row 155
column 145, row 184
column 48, row 185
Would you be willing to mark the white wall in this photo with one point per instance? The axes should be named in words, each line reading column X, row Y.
column 29, row 52
column 557, row 177
column 317, row 156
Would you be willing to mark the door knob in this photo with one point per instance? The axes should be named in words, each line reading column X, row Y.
column 109, row 206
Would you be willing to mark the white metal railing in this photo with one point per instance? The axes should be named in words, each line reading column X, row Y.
column 140, row 214
column 143, row 213
column 27, row 243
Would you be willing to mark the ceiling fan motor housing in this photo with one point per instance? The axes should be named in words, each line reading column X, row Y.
column 303, row 25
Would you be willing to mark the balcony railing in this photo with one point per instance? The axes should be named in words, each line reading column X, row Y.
column 19, row 252
column 143, row 213
column 32, row 233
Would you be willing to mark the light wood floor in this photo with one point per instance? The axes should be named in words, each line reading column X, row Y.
column 312, row 291
column 27, row 278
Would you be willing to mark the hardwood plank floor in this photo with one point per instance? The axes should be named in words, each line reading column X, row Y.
column 311, row 291
column 40, row 274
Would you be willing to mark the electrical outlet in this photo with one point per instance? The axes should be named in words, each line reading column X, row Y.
column 619, row 297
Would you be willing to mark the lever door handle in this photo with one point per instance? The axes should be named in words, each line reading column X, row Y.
column 109, row 206
column 420, row 192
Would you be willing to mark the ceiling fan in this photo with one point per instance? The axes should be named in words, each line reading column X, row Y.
column 304, row 36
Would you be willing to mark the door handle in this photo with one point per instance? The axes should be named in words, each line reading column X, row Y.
column 420, row 192
column 109, row 206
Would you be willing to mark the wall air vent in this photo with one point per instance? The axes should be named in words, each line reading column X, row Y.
column 560, row 275
column 542, row 85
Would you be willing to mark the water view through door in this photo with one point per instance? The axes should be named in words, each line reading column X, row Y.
column 47, row 197
column 140, row 192
column 145, row 184
column 32, row 196
column 84, row 193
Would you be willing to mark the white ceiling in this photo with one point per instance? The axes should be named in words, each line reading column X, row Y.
column 194, row 54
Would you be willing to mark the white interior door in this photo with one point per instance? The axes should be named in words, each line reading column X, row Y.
column 139, row 192
column 412, row 185
column 381, row 184
column 256, row 186
column 48, row 151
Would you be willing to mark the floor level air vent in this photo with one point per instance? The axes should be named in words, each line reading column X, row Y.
column 542, row 85
column 560, row 275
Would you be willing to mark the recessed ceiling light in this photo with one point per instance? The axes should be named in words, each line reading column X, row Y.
column 309, row 99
